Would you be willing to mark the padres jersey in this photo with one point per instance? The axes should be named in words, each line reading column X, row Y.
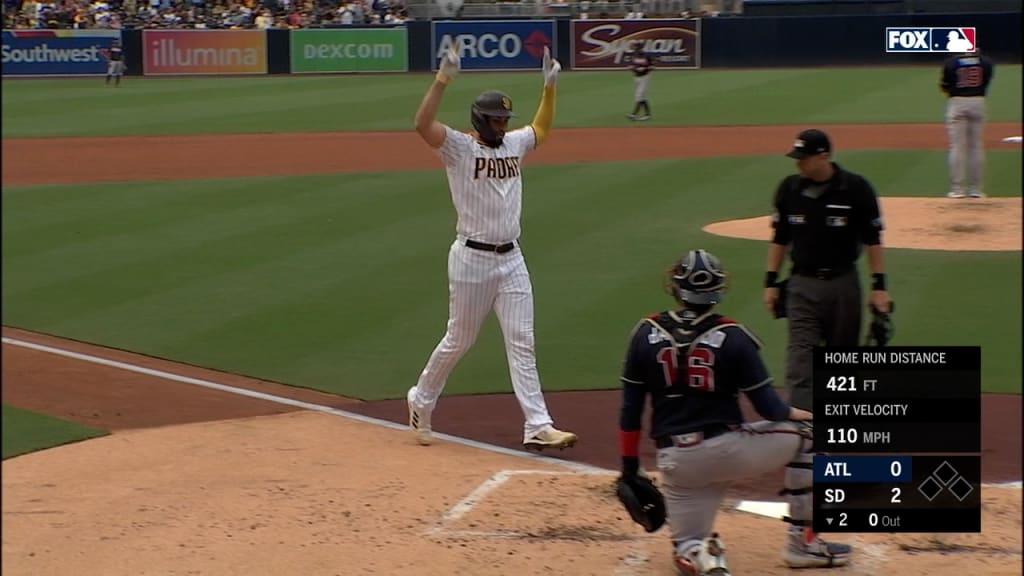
column 696, row 385
column 486, row 183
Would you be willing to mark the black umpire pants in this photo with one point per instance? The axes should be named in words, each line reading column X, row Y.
column 822, row 311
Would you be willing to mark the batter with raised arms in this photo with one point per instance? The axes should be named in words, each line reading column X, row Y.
column 486, row 268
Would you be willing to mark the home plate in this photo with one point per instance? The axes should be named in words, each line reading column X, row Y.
column 1013, row 139
column 763, row 508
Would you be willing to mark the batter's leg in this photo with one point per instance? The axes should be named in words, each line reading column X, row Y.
column 957, row 131
column 472, row 287
column 805, row 332
column 514, row 308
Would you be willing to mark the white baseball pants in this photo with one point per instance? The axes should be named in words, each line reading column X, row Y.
column 479, row 281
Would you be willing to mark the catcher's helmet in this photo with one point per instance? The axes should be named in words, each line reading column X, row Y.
column 698, row 278
column 490, row 104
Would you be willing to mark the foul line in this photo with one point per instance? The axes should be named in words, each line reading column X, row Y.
column 577, row 466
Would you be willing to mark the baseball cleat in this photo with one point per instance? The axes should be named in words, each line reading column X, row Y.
column 631, row 116
column 644, row 117
column 807, row 550
column 550, row 437
column 976, row 194
column 955, row 194
column 419, row 421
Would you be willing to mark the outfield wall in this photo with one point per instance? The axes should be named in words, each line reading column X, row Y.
column 740, row 42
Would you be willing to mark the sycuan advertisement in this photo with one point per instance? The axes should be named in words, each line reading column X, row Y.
column 354, row 50
column 605, row 44
column 204, row 52
column 56, row 52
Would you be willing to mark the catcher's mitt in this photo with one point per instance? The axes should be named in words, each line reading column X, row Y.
column 642, row 500
column 880, row 331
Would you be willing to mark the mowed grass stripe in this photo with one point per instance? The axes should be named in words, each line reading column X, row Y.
column 338, row 282
column 388, row 102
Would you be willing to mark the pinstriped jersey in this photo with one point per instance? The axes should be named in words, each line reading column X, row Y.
column 486, row 183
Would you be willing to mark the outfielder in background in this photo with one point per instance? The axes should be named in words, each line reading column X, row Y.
column 115, row 63
column 640, row 65
column 694, row 363
column 965, row 79
column 486, row 268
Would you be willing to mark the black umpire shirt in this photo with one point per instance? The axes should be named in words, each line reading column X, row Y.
column 826, row 223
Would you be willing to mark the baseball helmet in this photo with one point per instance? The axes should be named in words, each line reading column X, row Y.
column 697, row 278
column 490, row 104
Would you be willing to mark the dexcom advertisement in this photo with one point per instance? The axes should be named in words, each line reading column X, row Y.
column 56, row 52
column 494, row 45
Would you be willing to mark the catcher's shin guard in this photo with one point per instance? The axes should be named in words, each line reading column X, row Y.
column 804, row 549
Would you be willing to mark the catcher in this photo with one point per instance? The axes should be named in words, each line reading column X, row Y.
column 693, row 363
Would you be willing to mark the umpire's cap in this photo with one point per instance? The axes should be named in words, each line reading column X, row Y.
column 698, row 278
column 809, row 143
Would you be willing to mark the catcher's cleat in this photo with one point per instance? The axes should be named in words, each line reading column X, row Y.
column 805, row 549
column 550, row 437
column 419, row 421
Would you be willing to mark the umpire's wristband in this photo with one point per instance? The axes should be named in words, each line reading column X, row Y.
column 878, row 281
column 771, row 279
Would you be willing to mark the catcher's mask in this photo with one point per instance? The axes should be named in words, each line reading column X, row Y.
column 490, row 104
column 697, row 278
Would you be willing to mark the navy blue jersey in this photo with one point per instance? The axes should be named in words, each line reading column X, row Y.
column 966, row 75
column 693, row 368
column 640, row 64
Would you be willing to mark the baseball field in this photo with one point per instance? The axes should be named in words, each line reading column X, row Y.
column 226, row 286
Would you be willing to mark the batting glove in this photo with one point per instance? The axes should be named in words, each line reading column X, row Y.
column 551, row 68
column 449, row 67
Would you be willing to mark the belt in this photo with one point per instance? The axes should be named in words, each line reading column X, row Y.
column 692, row 438
column 499, row 248
column 823, row 273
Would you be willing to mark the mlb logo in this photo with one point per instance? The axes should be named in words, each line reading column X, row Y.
column 953, row 40
column 956, row 40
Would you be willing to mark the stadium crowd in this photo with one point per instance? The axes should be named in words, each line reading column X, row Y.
column 199, row 14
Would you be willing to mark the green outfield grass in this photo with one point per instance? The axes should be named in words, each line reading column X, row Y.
column 338, row 282
column 387, row 102
column 25, row 431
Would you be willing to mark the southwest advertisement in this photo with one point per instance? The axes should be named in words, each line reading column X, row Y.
column 56, row 52
column 494, row 45
column 180, row 52
column 354, row 50
column 605, row 44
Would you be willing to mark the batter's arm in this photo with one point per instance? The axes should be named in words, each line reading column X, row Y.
column 545, row 114
column 432, row 131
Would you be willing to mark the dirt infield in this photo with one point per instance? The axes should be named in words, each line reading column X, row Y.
column 197, row 480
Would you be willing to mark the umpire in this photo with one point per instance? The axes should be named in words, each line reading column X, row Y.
column 823, row 216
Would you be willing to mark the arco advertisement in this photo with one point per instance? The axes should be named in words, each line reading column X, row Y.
column 56, row 52
column 353, row 50
column 493, row 45
column 184, row 52
column 606, row 44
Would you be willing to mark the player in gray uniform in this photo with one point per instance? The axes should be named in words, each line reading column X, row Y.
column 965, row 78
column 694, row 363
column 640, row 65
column 115, row 63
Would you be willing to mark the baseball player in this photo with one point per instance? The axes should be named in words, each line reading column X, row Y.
column 965, row 79
column 486, row 268
column 640, row 65
column 694, row 363
column 115, row 63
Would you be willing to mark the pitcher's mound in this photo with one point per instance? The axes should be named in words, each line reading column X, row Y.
column 923, row 223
